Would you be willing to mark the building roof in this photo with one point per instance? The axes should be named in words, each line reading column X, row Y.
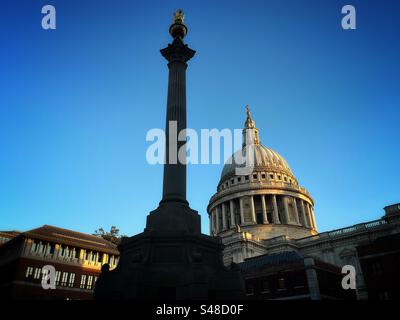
column 271, row 260
column 10, row 234
column 70, row 238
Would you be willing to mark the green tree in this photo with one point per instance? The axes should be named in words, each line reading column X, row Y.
column 112, row 235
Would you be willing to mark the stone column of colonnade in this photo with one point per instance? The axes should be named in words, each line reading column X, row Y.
column 304, row 215
column 296, row 211
column 232, row 212
column 264, row 209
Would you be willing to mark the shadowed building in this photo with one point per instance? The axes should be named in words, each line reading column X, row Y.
column 77, row 258
column 171, row 259
column 290, row 276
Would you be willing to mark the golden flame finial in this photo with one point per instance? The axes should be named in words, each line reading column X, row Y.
column 179, row 17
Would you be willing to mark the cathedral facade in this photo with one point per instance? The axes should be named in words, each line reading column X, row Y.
column 267, row 212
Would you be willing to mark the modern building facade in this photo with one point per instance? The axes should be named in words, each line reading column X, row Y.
column 76, row 257
column 265, row 211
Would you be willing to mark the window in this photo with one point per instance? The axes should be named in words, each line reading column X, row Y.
column 271, row 176
column 83, row 281
column 58, row 277
column 246, row 177
column 249, row 289
column 377, row 269
column 71, row 280
column 383, row 295
column 254, row 176
column 37, row 274
column 265, row 287
column 279, row 177
column 64, row 279
column 263, row 176
column 89, row 283
column 281, row 284
column 29, row 272
column 284, row 178
column 232, row 181
column 239, row 179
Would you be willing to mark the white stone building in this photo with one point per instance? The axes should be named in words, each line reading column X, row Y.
column 266, row 211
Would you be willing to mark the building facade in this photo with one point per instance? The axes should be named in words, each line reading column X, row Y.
column 76, row 257
column 265, row 211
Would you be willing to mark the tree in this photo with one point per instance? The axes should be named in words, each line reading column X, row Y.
column 112, row 236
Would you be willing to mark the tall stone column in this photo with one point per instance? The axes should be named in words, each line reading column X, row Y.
column 286, row 209
column 253, row 211
column 275, row 205
column 232, row 211
column 303, row 214
column 296, row 211
column 264, row 209
column 241, row 210
column 312, row 279
column 224, row 225
column 309, row 215
column 217, row 213
column 177, row 55
column 313, row 218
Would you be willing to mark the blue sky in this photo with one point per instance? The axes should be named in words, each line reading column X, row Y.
column 76, row 104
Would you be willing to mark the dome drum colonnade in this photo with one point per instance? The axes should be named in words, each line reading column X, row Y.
column 269, row 197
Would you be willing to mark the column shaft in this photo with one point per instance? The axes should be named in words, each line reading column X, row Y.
column 224, row 226
column 296, row 211
column 253, row 211
column 264, row 209
column 303, row 214
column 276, row 214
column 232, row 211
column 286, row 209
column 241, row 211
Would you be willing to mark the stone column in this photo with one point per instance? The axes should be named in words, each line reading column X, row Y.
column 286, row 209
column 217, row 213
column 312, row 279
column 224, row 226
column 174, row 185
column 309, row 214
column 232, row 211
column 241, row 211
column 264, row 209
column 303, row 214
column 313, row 218
column 210, row 217
column 275, row 205
column 296, row 211
column 253, row 211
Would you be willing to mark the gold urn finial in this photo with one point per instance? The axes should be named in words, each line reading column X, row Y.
column 178, row 28
column 179, row 17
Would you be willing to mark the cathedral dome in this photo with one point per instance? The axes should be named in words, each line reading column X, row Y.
column 265, row 159
column 259, row 197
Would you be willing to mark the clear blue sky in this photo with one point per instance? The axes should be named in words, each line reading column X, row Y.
column 76, row 103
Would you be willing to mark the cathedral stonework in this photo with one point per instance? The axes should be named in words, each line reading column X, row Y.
column 266, row 212
column 267, row 203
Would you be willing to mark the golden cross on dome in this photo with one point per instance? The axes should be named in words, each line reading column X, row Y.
column 248, row 111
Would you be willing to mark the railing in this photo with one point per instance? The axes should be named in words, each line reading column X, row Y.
column 345, row 231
